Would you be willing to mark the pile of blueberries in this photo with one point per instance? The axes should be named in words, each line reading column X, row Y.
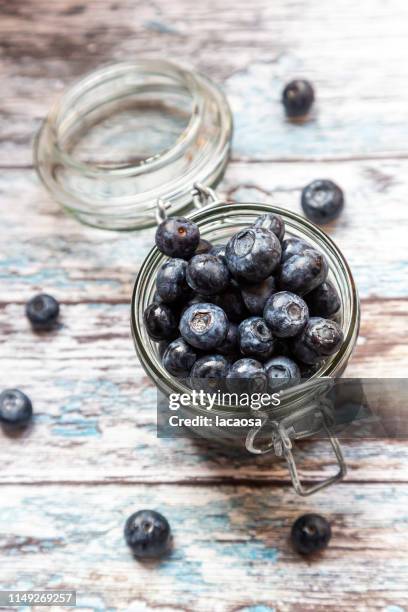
column 258, row 309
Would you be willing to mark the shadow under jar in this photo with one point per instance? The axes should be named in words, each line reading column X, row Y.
column 301, row 412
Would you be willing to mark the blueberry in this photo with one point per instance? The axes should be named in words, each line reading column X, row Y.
column 255, row 338
column 256, row 296
column 160, row 322
column 15, row 408
column 297, row 98
column 303, row 273
column 204, row 326
column 209, row 373
column 179, row 358
column 286, row 314
column 204, row 246
column 148, row 535
column 177, row 237
column 207, row 274
column 42, row 311
column 282, row 373
column 253, row 254
column 230, row 344
column 310, row 533
column 272, row 222
column 324, row 301
column 163, row 344
column 232, row 304
column 219, row 250
column 156, row 297
column 322, row 201
column 320, row 338
column 294, row 246
column 247, row 376
column 307, row 370
column 171, row 284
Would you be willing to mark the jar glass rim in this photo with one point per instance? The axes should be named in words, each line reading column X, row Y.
column 332, row 366
column 122, row 194
column 106, row 73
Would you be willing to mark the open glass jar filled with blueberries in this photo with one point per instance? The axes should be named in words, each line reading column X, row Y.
column 318, row 350
column 257, row 295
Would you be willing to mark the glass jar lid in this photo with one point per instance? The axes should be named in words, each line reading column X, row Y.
column 130, row 134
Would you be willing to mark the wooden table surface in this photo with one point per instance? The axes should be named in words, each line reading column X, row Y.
column 92, row 456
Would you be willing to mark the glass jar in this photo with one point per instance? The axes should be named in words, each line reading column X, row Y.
column 300, row 413
column 124, row 142
column 128, row 134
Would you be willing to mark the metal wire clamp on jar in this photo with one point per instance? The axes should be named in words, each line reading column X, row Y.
column 304, row 410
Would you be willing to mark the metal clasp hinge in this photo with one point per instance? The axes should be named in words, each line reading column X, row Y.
column 284, row 431
column 201, row 195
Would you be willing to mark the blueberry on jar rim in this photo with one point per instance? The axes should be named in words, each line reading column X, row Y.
column 148, row 534
column 253, row 254
column 322, row 201
column 204, row 326
column 297, row 98
column 177, row 237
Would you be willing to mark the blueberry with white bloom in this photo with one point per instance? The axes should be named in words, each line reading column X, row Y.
column 204, row 326
column 286, row 314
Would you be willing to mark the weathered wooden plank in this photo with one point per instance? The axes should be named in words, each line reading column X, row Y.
column 231, row 549
column 96, row 408
column 42, row 248
column 251, row 49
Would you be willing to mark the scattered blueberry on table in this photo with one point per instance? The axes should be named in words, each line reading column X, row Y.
column 322, row 201
column 16, row 408
column 42, row 311
column 297, row 98
column 310, row 534
column 148, row 534
column 260, row 306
